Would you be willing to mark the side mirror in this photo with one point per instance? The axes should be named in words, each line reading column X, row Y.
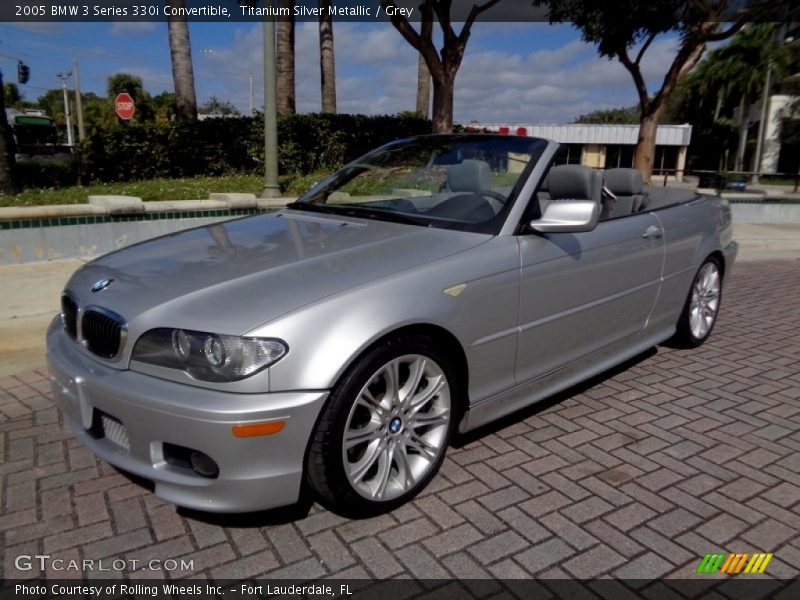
column 568, row 216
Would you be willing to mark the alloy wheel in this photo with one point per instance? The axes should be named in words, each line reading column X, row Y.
column 705, row 301
column 397, row 427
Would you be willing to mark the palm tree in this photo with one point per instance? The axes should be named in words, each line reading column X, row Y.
column 327, row 65
column 737, row 72
column 285, row 61
column 182, row 71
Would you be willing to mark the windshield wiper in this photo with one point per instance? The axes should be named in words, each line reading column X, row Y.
column 356, row 210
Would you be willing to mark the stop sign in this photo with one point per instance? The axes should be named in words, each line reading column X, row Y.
column 124, row 106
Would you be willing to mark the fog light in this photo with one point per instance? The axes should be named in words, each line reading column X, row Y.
column 204, row 465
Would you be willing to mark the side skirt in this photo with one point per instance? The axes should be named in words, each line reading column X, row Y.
column 530, row 392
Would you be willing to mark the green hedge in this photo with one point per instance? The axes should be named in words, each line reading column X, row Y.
column 235, row 145
column 32, row 174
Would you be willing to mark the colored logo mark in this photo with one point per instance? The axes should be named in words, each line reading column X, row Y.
column 733, row 564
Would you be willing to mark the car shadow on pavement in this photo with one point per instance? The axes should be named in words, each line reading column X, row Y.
column 460, row 440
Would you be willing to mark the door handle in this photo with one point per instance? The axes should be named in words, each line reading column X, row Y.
column 654, row 232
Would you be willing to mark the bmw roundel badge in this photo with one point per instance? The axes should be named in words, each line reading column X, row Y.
column 101, row 285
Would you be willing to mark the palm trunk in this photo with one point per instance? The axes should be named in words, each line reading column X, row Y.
column 285, row 61
column 7, row 149
column 182, row 71
column 423, row 88
column 739, row 165
column 327, row 65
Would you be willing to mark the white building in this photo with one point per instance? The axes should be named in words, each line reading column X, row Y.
column 778, row 107
column 608, row 146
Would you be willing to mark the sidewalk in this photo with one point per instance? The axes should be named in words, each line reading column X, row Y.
column 32, row 292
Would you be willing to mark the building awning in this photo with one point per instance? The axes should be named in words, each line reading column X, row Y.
column 666, row 135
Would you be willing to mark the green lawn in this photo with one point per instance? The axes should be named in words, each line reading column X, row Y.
column 777, row 180
column 196, row 188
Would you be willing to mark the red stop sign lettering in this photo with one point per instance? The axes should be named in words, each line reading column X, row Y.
column 124, row 106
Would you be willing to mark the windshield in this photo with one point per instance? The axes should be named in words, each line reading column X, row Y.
column 465, row 182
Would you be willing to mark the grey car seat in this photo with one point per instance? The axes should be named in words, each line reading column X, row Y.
column 626, row 185
column 469, row 176
column 574, row 182
column 466, row 180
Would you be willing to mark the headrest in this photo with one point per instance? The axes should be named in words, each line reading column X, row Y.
column 469, row 176
column 545, row 185
column 574, row 182
column 623, row 182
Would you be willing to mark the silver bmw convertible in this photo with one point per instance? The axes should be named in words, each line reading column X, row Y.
column 431, row 286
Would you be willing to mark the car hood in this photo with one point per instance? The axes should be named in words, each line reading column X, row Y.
column 230, row 277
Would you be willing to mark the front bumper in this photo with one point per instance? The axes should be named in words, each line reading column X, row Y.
column 254, row 473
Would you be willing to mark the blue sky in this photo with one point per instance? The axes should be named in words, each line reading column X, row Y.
column 512, row 72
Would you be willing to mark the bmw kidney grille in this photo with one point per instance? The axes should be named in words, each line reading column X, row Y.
column 100, row 330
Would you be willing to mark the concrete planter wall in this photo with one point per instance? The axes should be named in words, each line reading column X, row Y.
column 781, row 213
column 83, row 231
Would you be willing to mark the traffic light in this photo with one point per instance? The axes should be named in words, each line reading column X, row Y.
column 23, row 72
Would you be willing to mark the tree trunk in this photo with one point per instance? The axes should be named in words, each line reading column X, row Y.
column 182, row 71
column 740, row 150
column 327, row 65
column 285, row 61
column 443, row 104
column 7, row 149
column 423, row 88
column 646, row 143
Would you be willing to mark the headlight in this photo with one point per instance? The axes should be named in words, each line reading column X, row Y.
column 208, row 356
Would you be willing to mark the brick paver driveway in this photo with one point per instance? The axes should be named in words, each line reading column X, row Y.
column 638, row 474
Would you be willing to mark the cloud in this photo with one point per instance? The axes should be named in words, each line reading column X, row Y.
column 376, row 71
column 130, row 28
column 553, row 85
column 154, row 80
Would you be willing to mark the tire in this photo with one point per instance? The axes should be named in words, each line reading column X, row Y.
column 374, row 449
column 701, row 310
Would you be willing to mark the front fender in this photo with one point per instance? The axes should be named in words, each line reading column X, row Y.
column 324, row 338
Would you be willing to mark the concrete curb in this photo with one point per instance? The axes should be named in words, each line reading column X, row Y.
column 131, row 205
column 118, row 205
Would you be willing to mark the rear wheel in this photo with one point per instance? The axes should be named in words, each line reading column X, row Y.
column 702, row 306
column 384, row 432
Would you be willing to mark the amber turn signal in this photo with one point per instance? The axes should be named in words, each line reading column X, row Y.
column 256, row 429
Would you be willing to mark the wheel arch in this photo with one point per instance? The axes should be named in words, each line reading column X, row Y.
column 720, row 258
column 317, row 478
column 444, row 340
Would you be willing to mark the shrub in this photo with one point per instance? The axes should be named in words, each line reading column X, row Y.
column 33, row 174
column 307, row 143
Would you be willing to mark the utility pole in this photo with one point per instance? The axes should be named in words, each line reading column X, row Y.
column 271, row 187
column 251, row 94
column 78, row 101
column 63, row 77
column 762, row 127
